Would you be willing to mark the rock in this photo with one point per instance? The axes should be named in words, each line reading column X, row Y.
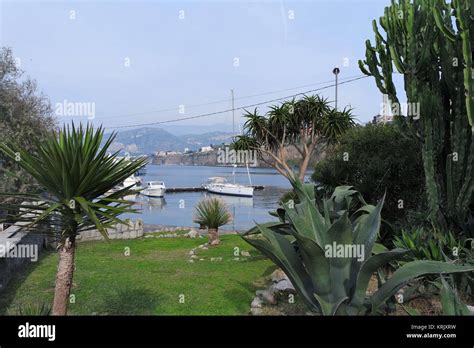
column 194, row 256
column 284, row 286
column 278, row 275
column 245, row 253
column 256, row 303
column 201, row 259
column 205, row 248
column 236, row 259
column 256, row 311
column 471, row 309
column 191, row 252
column 191, row 260
column 267, row 296
column 216, row 259
column 192, row 233
column 201, row 236
column 149, row 236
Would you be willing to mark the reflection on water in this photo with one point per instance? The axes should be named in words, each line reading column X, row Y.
column 177, row 208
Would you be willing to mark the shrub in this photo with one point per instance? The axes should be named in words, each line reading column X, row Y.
column 377, row 159
column 212, row 213
column 328, row 282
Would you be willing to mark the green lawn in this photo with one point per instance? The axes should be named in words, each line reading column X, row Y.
column 150, row 280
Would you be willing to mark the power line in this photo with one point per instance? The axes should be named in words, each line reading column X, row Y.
column 238, row 108
column 218, row 101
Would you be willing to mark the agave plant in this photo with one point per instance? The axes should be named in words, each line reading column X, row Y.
column 307, row 241
column 75, row 175
column 212, row 213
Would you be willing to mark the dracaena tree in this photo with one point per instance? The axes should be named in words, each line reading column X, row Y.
column 307, row 124
column 75, row 175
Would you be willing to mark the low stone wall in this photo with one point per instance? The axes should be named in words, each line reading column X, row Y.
column 132, row 230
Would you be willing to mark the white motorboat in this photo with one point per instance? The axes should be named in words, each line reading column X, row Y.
column 219, row 185
column 132, row 180
column 154, row 189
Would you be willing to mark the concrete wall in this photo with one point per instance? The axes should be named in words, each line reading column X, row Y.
column 119, row 231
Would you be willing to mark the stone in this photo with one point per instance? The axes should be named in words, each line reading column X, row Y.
column 194, row 256
column 256, row 311
column 205, row 248
column 278, row 275
column 471, row 309
column 133, row 234
column 149, row 236
column 245, row 253
column 267, row 296
column 284, row 286
column 201, row 259
column 236, row 259
column 191, row 252
column 191, row 260
column 192, row 233
column 216, row 259
column 256, row 303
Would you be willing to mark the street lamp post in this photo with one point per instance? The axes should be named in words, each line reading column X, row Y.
column 336, row 72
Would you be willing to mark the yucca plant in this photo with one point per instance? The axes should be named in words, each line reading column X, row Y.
column 212, row 213
column 75, row 175
column 307, row 241
column 42, row 309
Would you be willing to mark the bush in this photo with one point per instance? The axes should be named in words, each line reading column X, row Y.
column 376, row 159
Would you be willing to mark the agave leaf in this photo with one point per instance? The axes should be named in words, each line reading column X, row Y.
column 369, row 267
column 451, row 302
column 410, row 271
column 280, row 250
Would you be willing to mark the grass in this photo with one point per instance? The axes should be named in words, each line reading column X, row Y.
column 150, row 281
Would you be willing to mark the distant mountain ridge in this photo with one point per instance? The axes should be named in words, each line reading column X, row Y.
column 149, row 140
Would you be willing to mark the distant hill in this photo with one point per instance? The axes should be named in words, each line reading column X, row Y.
column 150, row 140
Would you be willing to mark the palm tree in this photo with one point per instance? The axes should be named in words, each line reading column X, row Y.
column 75, row 175
column 212, row 213
column 307, row 125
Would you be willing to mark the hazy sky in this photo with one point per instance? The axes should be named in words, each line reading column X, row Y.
column 130, row 59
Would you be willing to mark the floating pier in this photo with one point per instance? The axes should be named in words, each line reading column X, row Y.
column 200, row 189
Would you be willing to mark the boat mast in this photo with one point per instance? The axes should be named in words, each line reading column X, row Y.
column 240, row 132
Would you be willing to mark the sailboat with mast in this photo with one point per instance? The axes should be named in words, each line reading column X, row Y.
column 220, row 185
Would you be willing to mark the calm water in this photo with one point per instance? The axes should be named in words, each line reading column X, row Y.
column 176, row 209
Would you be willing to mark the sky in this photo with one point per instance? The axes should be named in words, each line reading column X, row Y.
column 121, row 63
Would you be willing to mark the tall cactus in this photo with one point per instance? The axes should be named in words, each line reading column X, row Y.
column 429, row 42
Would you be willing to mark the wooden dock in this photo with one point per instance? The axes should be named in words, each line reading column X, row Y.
column 200, row 189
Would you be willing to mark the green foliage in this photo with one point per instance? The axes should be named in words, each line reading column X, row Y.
column 212, row 212
column 430, row 44
column 450, row 301
column 25, row 115
column 303, row 124
column 34, row 309
column 425, row 244
column 376, row 160
column 300, row 241
column 75, row 175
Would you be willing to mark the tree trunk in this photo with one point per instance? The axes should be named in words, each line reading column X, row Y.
column 213, row 236
column 64, row 277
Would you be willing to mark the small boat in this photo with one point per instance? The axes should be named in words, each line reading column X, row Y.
column 154, row 189
column 219, row 185
column 132, row 180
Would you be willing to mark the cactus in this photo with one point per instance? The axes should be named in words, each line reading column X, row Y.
column 430, row 43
